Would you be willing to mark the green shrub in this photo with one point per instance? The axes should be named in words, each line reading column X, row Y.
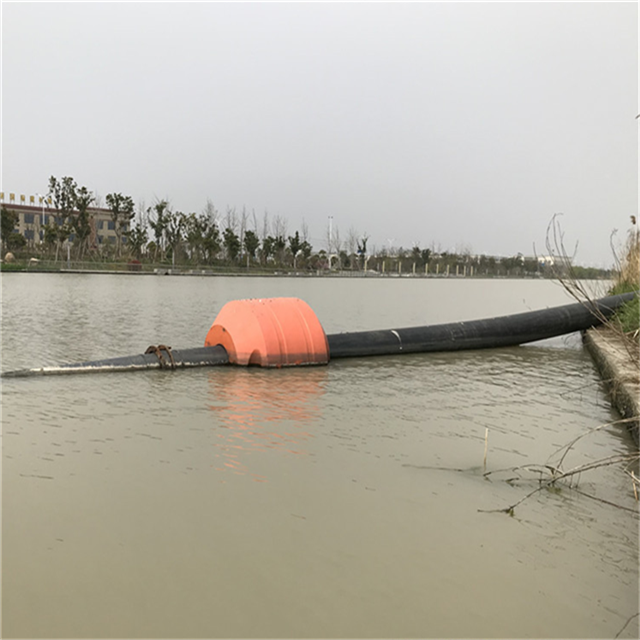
column 629, row 316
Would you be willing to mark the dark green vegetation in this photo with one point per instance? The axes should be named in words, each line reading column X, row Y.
column 628, row 316
column 10, row 239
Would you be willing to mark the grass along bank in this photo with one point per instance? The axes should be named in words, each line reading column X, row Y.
column 627, row 319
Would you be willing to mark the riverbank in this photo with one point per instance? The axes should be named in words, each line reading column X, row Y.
column 255, row 271
column 619, row 372
column 391, row 267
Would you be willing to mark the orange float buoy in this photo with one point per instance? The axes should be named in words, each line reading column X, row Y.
column 269, row 332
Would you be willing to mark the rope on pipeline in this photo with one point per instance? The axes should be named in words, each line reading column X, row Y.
column 157, row 350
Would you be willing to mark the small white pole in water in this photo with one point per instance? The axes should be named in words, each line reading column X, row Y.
column 486, row 444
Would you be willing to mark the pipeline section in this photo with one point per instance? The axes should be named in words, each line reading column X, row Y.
column 276, row 332
column 182, row 358
column 491, row 333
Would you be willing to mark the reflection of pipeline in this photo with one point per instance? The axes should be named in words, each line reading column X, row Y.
column 491, row 333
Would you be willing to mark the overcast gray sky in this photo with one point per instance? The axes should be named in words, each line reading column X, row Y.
column 454, row 124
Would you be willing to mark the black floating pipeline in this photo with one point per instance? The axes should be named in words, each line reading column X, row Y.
column 167, row 358
column 282, row 332
column 491, row 333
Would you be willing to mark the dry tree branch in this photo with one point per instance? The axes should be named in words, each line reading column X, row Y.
column 565, row 274
column 614, row 252
column 564, row 271
column 533, row 468
column 603, row 462
column 635, row 482
column 611, row 504
column 567, row 447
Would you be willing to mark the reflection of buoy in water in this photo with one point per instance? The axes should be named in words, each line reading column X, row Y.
column 253, row 415
column 282, row 332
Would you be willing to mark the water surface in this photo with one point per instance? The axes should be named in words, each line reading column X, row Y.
column 337, row 501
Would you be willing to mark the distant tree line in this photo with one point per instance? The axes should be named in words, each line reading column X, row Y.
column 158, row 234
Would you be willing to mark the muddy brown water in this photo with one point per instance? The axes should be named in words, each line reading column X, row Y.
column 338, row 501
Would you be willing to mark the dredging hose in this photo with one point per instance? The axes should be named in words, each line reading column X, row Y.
column 491, row 333
column 488, row 333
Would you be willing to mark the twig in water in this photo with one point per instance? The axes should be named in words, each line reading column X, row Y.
column 535, row 468
column 634, row 481
column 613, row 459
column 612, row 504
column 567, row 447
column 635, row 615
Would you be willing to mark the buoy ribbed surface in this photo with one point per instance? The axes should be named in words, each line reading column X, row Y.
column 269, row 332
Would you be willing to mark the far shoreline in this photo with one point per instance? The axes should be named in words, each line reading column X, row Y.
column 188, row 272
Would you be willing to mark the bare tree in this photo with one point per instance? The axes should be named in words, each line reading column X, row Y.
column 243, row 224
column 352, row 241
column 463, row 249
column 265, row 226
column 211, row 213
column 336, row 242
column 279, row 227
column 334, row 245
column 141, row 212
column 231, row 219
